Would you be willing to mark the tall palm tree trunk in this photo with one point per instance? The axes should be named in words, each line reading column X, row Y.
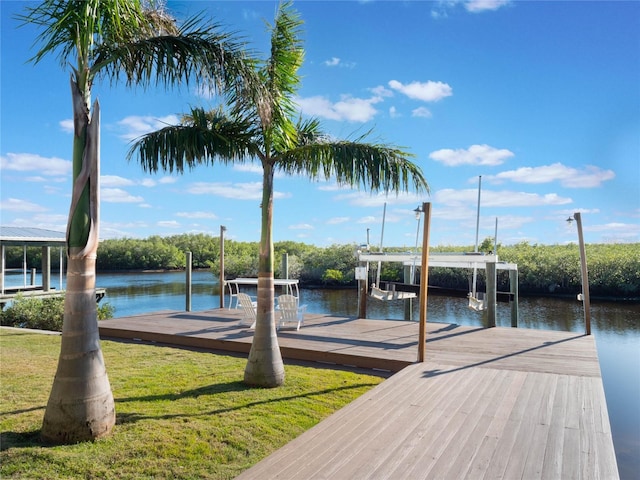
column 264, row 366
column 81, row 405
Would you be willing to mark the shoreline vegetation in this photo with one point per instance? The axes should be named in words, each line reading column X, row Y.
column 543, row 270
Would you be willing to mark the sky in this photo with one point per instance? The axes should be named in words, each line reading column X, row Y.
column 541, row 99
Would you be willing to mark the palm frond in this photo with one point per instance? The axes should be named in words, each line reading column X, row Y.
column 201, row 139
column 372, row 166
column 280, row 72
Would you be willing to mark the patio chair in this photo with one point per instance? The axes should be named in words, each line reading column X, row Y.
column 248, row 310
column 291, row 314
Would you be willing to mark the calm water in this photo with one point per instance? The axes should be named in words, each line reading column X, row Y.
column 616, row 327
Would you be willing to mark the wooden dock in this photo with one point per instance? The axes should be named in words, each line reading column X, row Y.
column 487, row 403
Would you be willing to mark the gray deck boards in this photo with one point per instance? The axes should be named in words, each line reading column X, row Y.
column 487, row 403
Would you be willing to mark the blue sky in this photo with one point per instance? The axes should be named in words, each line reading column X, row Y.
column 540, row 98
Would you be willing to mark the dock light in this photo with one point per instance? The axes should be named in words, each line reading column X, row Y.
column 418, row 211
column 584, row 296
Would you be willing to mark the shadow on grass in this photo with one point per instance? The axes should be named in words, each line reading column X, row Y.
column 237, row 386
column 20, row 440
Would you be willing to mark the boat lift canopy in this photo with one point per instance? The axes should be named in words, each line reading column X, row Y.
column 451, row 260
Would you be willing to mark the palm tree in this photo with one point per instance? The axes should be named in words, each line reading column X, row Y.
column 273, row 136
column 139, row 42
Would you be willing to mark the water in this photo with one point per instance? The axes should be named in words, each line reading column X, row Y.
column 615, row 326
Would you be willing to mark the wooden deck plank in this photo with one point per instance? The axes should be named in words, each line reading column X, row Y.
column 487, row 403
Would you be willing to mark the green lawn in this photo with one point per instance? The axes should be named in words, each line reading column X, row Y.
column 180, row 413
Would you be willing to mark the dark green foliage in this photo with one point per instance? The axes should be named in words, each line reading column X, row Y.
column 614, row 269
column 42, row 313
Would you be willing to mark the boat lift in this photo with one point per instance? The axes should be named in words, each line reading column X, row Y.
column 489, row 262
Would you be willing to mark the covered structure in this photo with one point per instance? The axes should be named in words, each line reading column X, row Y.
column 488, row 262
column 31, row 237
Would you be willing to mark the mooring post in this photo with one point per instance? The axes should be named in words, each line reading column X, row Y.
column 513, row 289
column 285, row 266
column 188, row 281
column 363, row 289
column 46, row 269
column 222, row 280
column 491, row 294
column 424, row 282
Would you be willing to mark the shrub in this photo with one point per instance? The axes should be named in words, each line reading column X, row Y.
column 42, row 313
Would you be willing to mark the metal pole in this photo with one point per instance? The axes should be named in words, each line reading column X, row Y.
column 424, row 282
column 222, row 281
column 478, row 212
column 188, row 281
column 585, row 276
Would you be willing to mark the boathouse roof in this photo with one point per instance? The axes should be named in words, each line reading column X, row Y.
column 31, row 236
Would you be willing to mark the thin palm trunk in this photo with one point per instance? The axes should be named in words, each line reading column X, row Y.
column 81, row 405
column 264, row 366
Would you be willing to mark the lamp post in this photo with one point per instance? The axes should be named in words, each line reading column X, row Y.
column 584, row 296
column 418, row 211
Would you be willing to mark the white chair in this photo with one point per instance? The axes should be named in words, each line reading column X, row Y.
column 248, row 310
column 291, row 314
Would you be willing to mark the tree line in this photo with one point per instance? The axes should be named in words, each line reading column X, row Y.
column 614, row 269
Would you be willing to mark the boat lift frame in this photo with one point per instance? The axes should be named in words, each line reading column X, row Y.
column 489, row 262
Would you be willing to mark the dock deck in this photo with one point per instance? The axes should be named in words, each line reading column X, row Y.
column 487, row 403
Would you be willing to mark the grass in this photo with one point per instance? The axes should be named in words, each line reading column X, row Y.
column 180, row 414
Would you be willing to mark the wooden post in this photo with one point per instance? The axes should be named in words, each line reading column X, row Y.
column 285, row 266
column 408, row 303
column 223, row 283
column 188, row 281
column 363, row 290
column 424, row 282
column 513, row 287
column 585, row 276
column 491, row 295
column 46, row 269
column 2, row 268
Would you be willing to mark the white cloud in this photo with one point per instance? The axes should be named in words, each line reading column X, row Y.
column 393, row 113
column 29, row 162
column 18, row 205
column 338, row 220
column 442, row 7
column 168, row 224
column 115, row 181
column 381, row 91
column 338, row 62
column 167, row 180
column 427, row 92
column 148, row 182
column 238, row 191
column 208, row 215
column 301, row 226
column 117, row 195
column 136, row 126
column 569, row 177
column 347, row 109
column 66, row 125
column 364, row 199
column 504, row 198
column 474, row 155
column 248, row 167
column 421, row 112
column 475, row 6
